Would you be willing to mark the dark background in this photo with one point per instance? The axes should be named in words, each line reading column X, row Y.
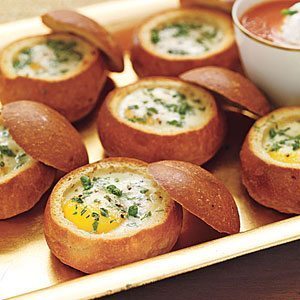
column 268, row 274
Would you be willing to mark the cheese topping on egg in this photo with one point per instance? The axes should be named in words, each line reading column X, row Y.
column 12, row 156
column 291, row 25
column 163, row 109
column 50, row 56
column 283, row 142
column 112, row 201
column 185, row 38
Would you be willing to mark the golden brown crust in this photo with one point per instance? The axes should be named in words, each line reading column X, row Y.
column 22, row 191
column 233, row 86
column 74, row 97
column 73, row 22
column 225, row 5
column 272, row 184
column 199, row 192
column 45, row 135
column 148, row 63
column 93, row 253
column 196, row 146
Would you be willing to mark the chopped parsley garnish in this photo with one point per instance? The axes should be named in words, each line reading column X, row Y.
column 175, row 123
column 95, row 216
column 4, row 150
column 146, row 215
column 155, row 36
column 177, row 52
column 77, row 199
column 288, row 12
column 86, row 182
column 2, row 164
column 133, row 107
column 152, row 110
column 114, row 190
column 144, row 191
column 104, row 212
column 280, row 138
column 133, row 211
column 95, row 225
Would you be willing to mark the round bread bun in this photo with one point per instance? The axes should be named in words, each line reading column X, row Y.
column 150, row 55
column 153, row 131
column 45, row 135
column 71, row 85
column 225, row 5
column 92, row 251
column 23, row 180
column 236, row 88
column 199, row 192
column 73, row 22
column 270, row 160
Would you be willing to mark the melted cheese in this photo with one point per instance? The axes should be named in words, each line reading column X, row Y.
column 12, row 156
column 283, row 142
column 111, row 201
column 162, row 110
column 50, row 57
column 185, row 39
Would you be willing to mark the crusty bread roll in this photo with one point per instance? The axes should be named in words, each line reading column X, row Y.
column 65, row 70
column 34, row 141
column 178, row 40
column 270, row 160
column 133, row 219
column 160, row 118
column 120, row 210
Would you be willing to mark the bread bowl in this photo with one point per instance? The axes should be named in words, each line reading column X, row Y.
column 65, row 69
column 160, row 118
column 99, row 216
column 35, row 141
column 182, row 39
column 270, row 160
column 225, row 5
column 231, row 86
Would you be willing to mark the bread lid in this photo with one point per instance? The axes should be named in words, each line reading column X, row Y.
column 73, row 22
column 236, row 88
column 45, row 135
column 199, row 192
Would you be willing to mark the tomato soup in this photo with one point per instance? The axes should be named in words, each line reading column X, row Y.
column 277, row 21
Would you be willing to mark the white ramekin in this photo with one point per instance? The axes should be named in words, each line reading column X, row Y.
column 274, row 68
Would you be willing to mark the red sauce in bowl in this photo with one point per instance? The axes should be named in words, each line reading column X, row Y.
column 265, row 20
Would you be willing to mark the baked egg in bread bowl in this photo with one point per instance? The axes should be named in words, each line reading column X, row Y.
column 35, row 141
column 160, row 118
column 65, row 69
column 108, row 214
column 225, row 5
column 270, row 160
column 120, row 210
column 178, row 40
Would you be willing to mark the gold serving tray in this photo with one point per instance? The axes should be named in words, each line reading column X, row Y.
column 27, row 268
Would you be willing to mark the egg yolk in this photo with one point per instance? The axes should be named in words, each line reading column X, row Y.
column 90, row 219
column 292, row 158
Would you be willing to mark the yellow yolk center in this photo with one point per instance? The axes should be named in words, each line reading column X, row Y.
column 292, row 158
column 89, row 219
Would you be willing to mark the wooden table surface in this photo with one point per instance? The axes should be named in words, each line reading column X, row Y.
column 270, row 274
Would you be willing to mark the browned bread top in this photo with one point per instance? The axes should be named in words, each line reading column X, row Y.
column 199, row 192
column 73, row 22
column 45, row 135
column 233, row 86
